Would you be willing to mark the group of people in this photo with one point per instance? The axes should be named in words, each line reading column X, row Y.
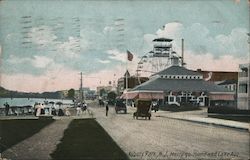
column 80, row 108
column 41, row 109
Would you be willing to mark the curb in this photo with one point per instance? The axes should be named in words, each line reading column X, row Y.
column 207, row 123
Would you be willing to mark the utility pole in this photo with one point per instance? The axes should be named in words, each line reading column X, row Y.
column 81, row 90
column 182, row 52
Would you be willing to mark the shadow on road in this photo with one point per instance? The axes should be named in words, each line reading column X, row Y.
column 16, row 130
column 86, row 139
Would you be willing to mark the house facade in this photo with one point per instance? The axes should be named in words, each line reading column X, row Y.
column 243, row 95
column 133, row 81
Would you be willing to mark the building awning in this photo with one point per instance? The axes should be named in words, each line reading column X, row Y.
column 221, row 96
column 143, row 95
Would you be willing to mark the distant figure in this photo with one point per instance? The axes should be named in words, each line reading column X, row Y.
column 101, row 103
column 60, row 112
column 107, row 108
column 53, row 111
column 7, row 108
column 38, row 111
column 35, row 108
column 42, row 109
column 67, row 112
column 78, row 110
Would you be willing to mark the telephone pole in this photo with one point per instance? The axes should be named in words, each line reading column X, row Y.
column 81, row 90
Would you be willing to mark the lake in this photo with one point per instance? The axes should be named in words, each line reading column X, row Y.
column 30, row 101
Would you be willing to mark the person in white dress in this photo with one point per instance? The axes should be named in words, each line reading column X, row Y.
column 39, row 108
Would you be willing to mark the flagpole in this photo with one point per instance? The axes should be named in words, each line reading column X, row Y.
column 129, row 58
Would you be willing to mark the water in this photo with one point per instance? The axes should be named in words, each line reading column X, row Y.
column 30, row 101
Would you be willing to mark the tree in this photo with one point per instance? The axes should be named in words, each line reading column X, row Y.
column 71, row 93
column 102, row 92
column 112, row 95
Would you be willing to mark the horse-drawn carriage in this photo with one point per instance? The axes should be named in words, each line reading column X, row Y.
column 143, row 108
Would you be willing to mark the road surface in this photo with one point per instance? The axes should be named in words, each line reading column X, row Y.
column 164, row 138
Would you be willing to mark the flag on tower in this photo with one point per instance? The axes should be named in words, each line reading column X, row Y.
column 130, row 56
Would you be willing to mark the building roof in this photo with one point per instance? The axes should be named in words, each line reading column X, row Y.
column 218, row 75
column 127, row 74
column 227, row 82
column 177, row 70
column 162, row 40
column 191, row 85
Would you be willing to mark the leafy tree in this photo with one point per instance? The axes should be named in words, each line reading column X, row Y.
column 102, row 92
column 71, row 93
column 112, row 95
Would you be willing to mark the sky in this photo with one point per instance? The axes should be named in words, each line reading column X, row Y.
column 44, row 45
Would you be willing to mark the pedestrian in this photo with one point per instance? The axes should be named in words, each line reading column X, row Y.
column 7, row 108
column 53, row 111
column 67, row 112
column 38, row 111
column 78, row 110
column 107, row 109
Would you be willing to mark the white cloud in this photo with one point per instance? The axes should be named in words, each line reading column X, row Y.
column 70, row 48
column 171, row 30
column 59, row 77
column 117, row 55
column 41, row 61
column 42, row 35
column 220, row 53
column 53, row 80
column 103, row 61
column 107, row 29
column 199, row 40
column 17, row 60
column 210, row 63
column 36, row 61
column 45, row 37
column 234, row 43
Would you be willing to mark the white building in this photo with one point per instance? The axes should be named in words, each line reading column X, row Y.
column 244, row 87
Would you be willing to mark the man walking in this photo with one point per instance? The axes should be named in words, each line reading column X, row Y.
column 7, row 107
column 107, row 109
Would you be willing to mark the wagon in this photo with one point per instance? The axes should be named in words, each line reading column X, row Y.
column 143, row 109
column 120, row 106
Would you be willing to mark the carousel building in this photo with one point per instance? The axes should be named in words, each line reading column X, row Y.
column 178, row 85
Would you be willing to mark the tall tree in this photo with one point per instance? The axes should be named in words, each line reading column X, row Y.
column 102, row 92
column 71, row 93
column 112, row 95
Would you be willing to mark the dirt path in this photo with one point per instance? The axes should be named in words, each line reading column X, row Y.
column 164, row 138
column 40, row 145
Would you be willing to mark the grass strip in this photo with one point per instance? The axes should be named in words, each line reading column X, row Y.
column 14, row 131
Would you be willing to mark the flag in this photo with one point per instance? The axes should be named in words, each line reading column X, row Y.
column 130, row 56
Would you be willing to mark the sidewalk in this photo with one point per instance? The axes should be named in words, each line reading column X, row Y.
column 42, row 144
column 200, row 116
